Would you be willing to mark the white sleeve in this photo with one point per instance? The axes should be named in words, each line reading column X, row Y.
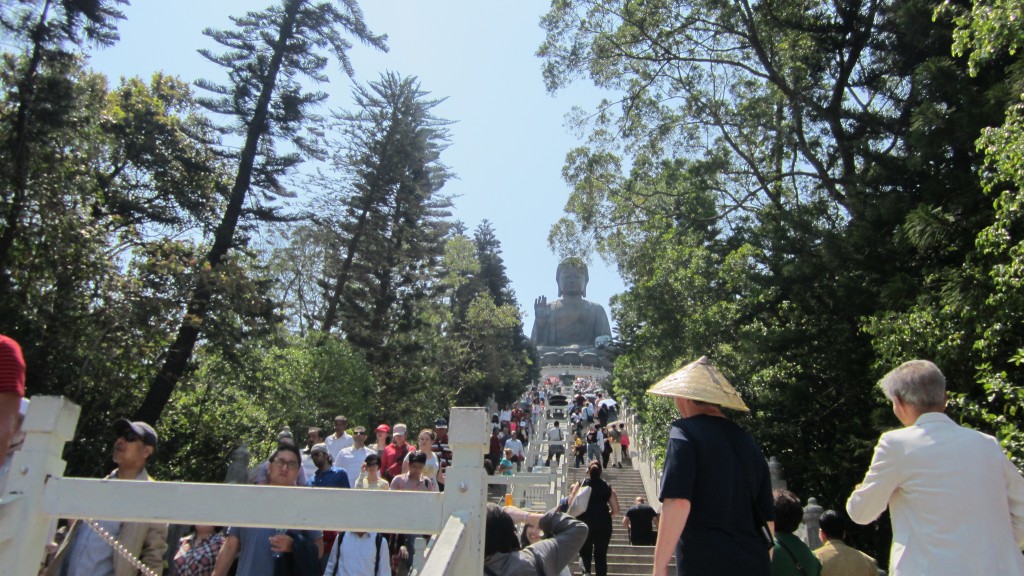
column 1015, row 495
column 871, row 497
column 384, row 555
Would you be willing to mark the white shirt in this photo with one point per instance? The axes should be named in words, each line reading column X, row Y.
column 335, row 445
column 555, row 435
column 351, row 461
column 354, row 556
column 516, row 446
column 956, row 502
column 307, row 465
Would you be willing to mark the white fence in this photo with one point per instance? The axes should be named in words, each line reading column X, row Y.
column 37, row 494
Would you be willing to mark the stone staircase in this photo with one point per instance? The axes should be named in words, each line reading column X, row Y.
column 622, row 557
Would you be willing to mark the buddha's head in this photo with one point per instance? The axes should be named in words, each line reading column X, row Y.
column 572, row 277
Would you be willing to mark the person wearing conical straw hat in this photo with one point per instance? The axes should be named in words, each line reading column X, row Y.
column 717, row 511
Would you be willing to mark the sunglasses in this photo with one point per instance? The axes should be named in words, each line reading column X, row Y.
column 359, row 433
column 131, row 436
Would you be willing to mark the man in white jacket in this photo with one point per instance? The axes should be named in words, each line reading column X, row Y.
column 956, row 502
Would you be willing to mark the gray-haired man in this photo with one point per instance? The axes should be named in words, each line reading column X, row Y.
column 956, row 502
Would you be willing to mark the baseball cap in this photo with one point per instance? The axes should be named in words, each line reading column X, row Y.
column 440, row 423
column 322, row 448
column 384, row 428
column 145, row 431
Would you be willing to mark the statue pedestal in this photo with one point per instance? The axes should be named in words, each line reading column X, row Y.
column 582, row 362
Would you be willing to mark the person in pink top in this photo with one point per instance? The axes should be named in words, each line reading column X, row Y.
column 411, row 480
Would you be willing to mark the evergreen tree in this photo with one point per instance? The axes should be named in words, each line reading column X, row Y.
column 38, row 83
column 392, row 218
column 492, row 267
column 266, row 55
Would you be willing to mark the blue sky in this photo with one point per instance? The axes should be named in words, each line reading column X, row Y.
column 510, row 137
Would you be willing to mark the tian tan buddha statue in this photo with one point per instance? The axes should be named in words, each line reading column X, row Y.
column 569, row 321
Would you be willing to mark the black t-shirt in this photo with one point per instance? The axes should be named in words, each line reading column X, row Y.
column 597, row 507
column 719, row 468
column 641, row 521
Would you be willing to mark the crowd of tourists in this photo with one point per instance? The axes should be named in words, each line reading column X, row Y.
column 955, row 500
column 339, row 460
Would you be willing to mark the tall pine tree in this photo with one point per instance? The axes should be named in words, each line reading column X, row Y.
column 265, row 55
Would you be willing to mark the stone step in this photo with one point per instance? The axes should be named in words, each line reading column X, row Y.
column 623, row 558
column 630, row 551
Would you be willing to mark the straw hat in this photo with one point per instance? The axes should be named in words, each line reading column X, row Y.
column 700, row 380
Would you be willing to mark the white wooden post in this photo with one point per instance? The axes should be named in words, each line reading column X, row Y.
column 24, row 527
column 465, row 494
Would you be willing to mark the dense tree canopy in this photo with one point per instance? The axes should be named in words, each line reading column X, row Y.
column 793, row 189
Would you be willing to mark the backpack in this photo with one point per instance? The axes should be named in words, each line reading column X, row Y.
column 376, row 552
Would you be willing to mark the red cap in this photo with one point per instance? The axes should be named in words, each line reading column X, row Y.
column 384, row 428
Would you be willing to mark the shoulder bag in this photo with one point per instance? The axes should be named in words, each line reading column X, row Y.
column 580, row 502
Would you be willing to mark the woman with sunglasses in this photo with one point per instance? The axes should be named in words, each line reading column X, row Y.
column 369, row 476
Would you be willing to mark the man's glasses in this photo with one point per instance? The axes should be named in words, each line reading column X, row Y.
column 130, row 436
column 283, row 463
column 359, row 433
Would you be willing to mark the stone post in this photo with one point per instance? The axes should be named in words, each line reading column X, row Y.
column 775, row 470
column 812, row 522
column 238, row 467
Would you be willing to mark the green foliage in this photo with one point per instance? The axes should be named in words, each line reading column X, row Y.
column 99, row 264
column 266, row 385
column 793, row 190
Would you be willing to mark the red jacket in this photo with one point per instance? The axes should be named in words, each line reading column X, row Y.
column 391, row 460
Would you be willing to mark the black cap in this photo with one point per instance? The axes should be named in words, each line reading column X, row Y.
column 145, row 431
column 440, row 423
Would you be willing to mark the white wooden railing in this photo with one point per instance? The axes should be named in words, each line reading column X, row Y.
column 37, row 494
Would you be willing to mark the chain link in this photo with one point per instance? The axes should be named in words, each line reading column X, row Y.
column 119, row 548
